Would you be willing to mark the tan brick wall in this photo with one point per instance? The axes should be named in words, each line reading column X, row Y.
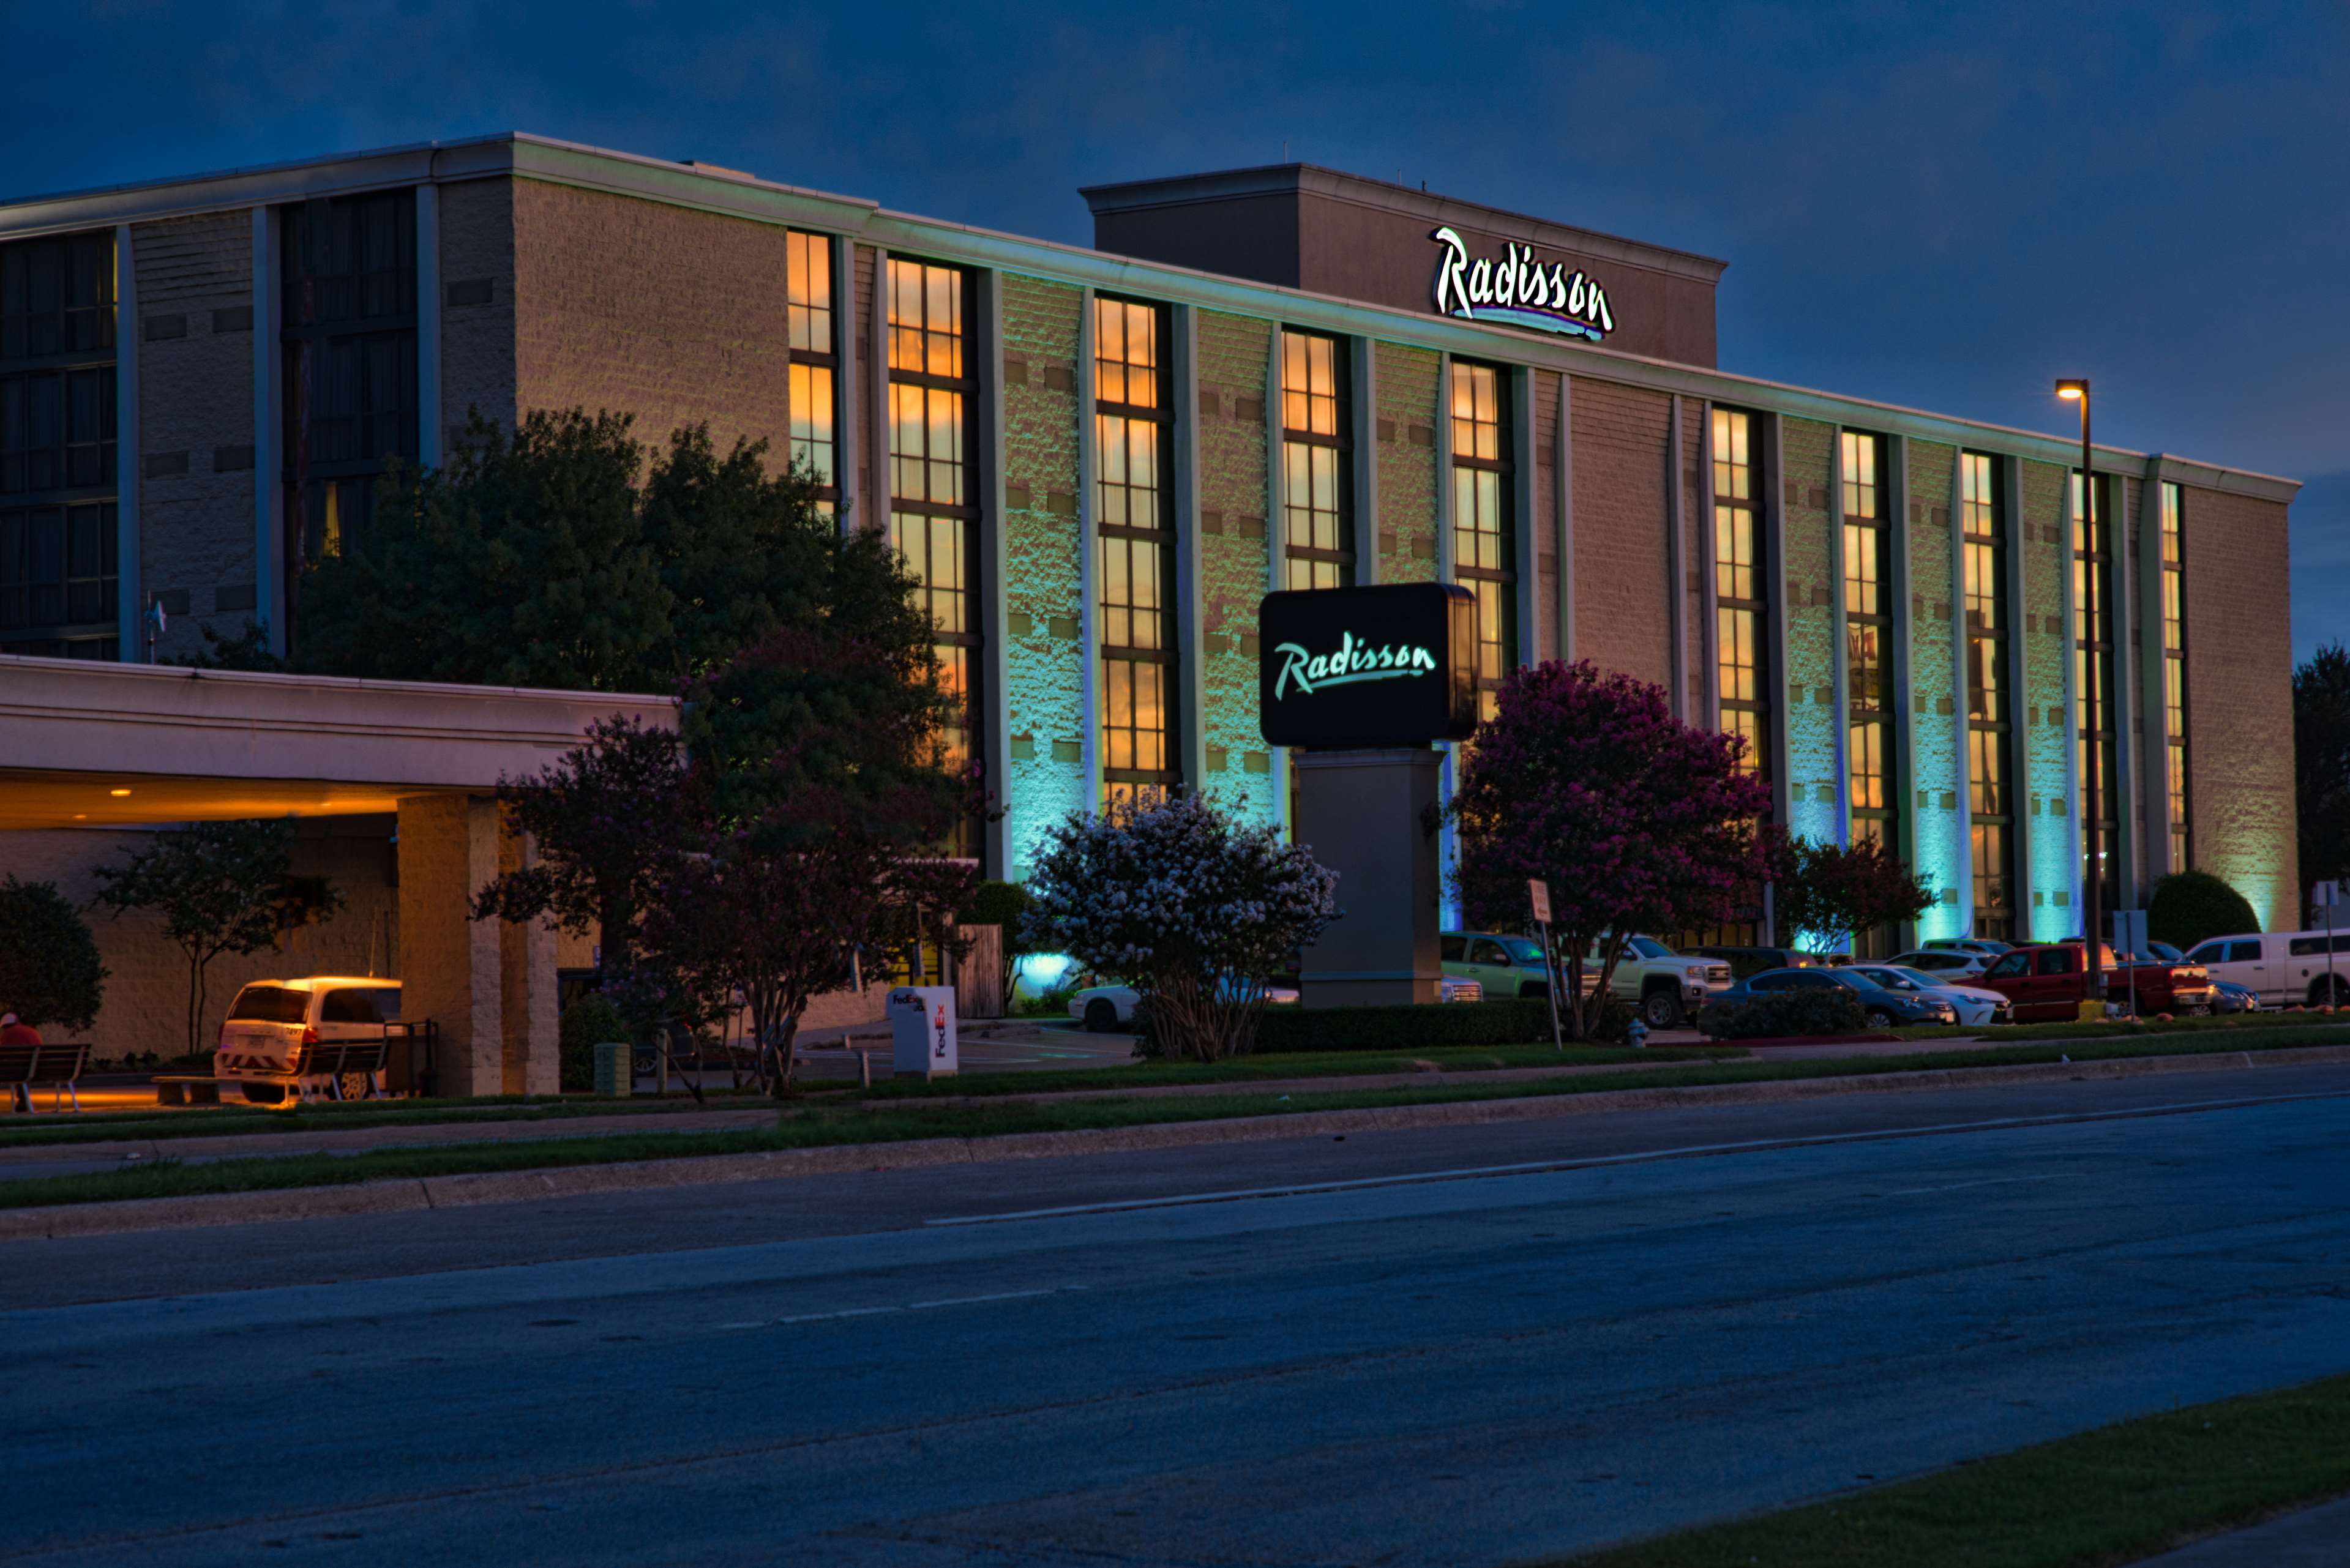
column 1404, row 429
column 146, row 995
column 477, row 341
column 675, row 316
column 1621, row 619
column 2240, row 700
column 194, row 445
column 2043, row 735
column 1543, row 516
column 1235, row 551
column 1805, row 705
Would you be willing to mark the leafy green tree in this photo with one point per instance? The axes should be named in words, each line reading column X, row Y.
column 2321, row 759
column 2191, row 906
column 248, row 649
column 1834, row 891
column 1002, row 905
column 50, row 968
column 218, row 887
column 558, row 557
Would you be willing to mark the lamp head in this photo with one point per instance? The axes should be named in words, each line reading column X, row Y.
column 2072, row 391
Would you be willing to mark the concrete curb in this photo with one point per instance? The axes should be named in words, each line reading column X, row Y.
column 64, row 1220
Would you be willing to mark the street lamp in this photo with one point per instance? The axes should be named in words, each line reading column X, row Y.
column 2092, row 878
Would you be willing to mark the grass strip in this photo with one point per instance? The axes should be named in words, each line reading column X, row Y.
column 2100, row 1499
column 121, row 1125
column 2223, row 1024
column 877, row 1122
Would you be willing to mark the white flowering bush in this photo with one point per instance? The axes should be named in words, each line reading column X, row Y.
column 1192, row 907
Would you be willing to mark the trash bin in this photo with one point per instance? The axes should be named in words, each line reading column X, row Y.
column 922, row 1031
column 616, row 1067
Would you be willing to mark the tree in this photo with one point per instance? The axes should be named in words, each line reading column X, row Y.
column 2321, row 764
column 1002, row 905
column 1192, row 907
column 609, row 819
column 557, row 557
column 50, row 968
column 1639, row 822
column 248, row 649
column 2190, row 908
column 1835, row 891
column 219, row 887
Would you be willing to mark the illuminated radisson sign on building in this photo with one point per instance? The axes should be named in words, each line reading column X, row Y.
column 1518, row 290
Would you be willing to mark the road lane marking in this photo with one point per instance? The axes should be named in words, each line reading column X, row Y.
column 1956, row 1185
column 908, row 1306
column 1595, row 1162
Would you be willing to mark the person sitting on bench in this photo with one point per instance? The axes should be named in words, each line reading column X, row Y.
column 14, row 1031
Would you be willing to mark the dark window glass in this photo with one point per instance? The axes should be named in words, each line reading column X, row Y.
column 1134, row 527
column 270, row 1005
column 2008, row 967
column 1484, row 536
column 1451, row 949
column 2057, row 961
column 1316, row 488
column 1990, row 738
column 2243, row 952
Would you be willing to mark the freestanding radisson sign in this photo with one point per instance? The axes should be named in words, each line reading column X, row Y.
column 1517, row 289
column 1358, row 682
column 1351, row 668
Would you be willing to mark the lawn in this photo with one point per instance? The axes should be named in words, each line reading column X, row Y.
column 2103, row 1498
column 888, row 1119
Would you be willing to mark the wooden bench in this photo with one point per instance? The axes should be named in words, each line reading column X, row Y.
column 332, row 1060
column 25, row 1069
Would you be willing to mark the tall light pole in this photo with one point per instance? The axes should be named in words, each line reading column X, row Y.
column 2093, row 787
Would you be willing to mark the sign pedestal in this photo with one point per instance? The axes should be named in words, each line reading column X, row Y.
column 1363, row 815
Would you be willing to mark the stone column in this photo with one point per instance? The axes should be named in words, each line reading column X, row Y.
column 1364, row 815
column 489, row 984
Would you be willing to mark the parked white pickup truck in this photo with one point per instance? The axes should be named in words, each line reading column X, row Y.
column 1665, row 988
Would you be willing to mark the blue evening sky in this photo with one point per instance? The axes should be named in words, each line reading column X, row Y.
column 1946, row 207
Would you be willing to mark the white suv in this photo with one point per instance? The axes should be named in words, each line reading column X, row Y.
column 271, row 1019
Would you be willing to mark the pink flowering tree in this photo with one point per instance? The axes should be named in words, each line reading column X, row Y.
column 1639, row 822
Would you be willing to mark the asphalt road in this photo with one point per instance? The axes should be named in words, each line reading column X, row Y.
column 1423, row 1366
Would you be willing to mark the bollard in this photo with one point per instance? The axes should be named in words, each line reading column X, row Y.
column 865, row 1069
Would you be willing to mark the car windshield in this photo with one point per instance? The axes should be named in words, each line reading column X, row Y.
column 1891, row 979
column 1919, row 977
column 1650, row 948
column 2166, row 952
column 1524, row 950
column 270, row 1005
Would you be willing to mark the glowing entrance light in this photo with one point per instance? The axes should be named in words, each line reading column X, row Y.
column 1518, row 290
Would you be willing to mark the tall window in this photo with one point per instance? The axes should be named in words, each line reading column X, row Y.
column 2093, row 682
column 1991, row 770
column 1485, row 539
column 1868, row 679
column 815, row 360
column 349, row 336
column 57, row 584
column 1316, row 434
column 1135, row 525
column 932, row 518
column 2174, row 672
column 1740, row 585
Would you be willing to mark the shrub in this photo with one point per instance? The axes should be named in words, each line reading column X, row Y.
column 1815, row 1010
column 588, row 1023
column 2192, row 907
column 1511, row 1021
column 49, row 971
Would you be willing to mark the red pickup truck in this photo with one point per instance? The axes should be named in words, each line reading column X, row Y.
column 2049, row 981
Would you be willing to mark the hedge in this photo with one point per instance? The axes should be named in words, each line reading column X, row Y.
column 2191, row 907
column 1775, row 1015
column 1511, row 1021
column 586, row 1023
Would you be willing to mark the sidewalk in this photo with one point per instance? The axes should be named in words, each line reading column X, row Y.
column 2312, row 1538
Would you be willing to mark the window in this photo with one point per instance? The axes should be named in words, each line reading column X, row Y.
column 815, row 360
column 2009, row 966
column 2314, row 946
column 1316, row 435
column 1453, row 950
column 2174, row 672
column 1485, row 950
column 2093, row 682
column 2057, row 961
column 1743, row 676
column 1989, row 743
column 1134, row 525
column 349, row 340
column 1871, row 789
column 2243, row 952
column 1484, row 543
column 57, row 565
column 932, row 519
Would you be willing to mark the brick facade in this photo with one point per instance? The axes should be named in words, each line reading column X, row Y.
column 1814, row 618
column 477, row 337
column 1236, row 552
column 194, row 447
column 1621, row 515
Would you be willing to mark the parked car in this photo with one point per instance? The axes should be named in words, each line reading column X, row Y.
column 2283, row 969
column 2227, row 996
column 1955, row 962
column 1103, row 1009
column 2048, row 982
column 1743, row 962
column 1500, row 964
column 1990, row 946
column 1664, row 987
column 1884, row 1008
column 1974, row 1007
column 270, row 1020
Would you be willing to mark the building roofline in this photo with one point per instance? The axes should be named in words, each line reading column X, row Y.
column 729, row 193
column 1384, row 195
